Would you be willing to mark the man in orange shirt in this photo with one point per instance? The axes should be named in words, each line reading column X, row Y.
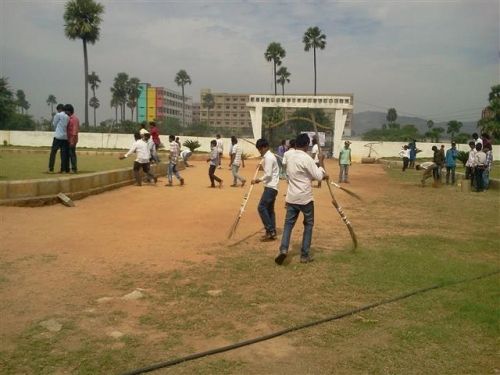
column 73, row 129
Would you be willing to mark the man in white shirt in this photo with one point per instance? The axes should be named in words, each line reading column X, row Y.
column 428, row 168
column 479, row 167
column 315, row 154
column 270, row 179
column 142, row 150
column 301, row 170
column 469, row 164
column 172, row 164
column 236, row 162
column 60, row 141
column 220, row 148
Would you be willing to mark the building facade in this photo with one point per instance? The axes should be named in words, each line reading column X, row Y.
column 159, row 103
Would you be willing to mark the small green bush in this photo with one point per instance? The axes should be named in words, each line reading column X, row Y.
column 463, row 156
column 192, row 145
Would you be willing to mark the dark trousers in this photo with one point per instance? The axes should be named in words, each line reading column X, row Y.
column 145, row 169
column 450, row 170
column 478, row 178
column 405, row 163
column 266, row 209
column 63, row 146
column 211, row 174
column 72, row 159
column 292, row 213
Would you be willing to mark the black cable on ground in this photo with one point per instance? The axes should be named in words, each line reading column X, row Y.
column 240, row 344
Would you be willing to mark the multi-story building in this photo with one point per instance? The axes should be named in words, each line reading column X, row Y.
column 159, row 103
column 196, row 113
column 230, row 111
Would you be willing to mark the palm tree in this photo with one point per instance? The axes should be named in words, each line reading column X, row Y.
column 430, row 124
column 82, row 19
column 115, row 102
column 453, row 127
column 283, row 75
column 182, row 79
column 7, row 102
column 21, row 101
column 94, row 103
column 94, row 81
column 51, row 100
column 275, row 53
column 120, row 92
column 133, row 92
column 208, row 103
column 314, row 38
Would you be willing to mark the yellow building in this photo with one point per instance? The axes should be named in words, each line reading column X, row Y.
column 151, row 113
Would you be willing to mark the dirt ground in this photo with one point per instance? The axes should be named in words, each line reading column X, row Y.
column 57, row 260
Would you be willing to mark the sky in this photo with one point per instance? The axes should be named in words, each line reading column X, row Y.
column 433, row 59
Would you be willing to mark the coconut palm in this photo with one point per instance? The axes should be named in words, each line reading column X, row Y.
column 133, row 92
column 21, row 101
column 115, row 103
column 392, row 115
column 283, row 75
column 314, row 38
column 275, row 53
column 82, row 19
column 182, row 79
column 51, row 101
column 94, row 103
column 120, row 92
column 208, row 103
column 94, row 81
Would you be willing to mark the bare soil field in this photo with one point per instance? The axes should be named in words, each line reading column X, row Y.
column 196, row 289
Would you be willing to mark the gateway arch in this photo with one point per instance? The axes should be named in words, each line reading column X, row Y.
column 341, row 105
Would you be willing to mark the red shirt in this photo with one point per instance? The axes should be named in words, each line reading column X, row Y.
column 155, row 135
column 73, row 129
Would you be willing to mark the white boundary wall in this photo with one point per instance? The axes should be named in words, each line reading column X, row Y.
column 123, row 141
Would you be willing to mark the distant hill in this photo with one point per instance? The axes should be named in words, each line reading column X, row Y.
column 364, row 121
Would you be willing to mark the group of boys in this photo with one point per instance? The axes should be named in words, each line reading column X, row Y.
column 477, row 167
column 66, row 127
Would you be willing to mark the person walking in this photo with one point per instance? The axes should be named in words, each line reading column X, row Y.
column 60, row 141
column 142, row 161
column 214, row 162
column 270, row 180
column 172, row 164
column 405, row 154
column 155, row 136
column 315, row 154
column 73, row 130
column 344, row 162
column 236, row 162
column 451, row 163
column 301, row 171
column 220, row 148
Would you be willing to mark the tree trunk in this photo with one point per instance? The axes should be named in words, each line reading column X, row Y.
column 283, row 89
column 132, row 113
column 94, row 118
column 314, row 49
column 208, row 116
column 86, row 72
column 275, row 89
column 183, row 107
column 116, row 114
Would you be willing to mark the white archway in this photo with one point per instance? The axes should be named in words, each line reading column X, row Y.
column 342, row 104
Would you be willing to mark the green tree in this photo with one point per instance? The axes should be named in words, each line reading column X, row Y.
column 21, row 101
column 7, row 103
column 133, row 91
column 453, row 127
column 462, row 138
column 82, row 20
column 314, row 38
column 208, row 103
column 430, row 124
column 119, row 91
column 392, row 116
column 115, row 103
column 283, row 78
column 182, row 79
column 94, row 82
column 490, row 121
column 51, row 101
column 436, row 133
column 94, row 103
column 275, row 53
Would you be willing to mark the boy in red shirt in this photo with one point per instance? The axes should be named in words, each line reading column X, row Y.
column 73, row 129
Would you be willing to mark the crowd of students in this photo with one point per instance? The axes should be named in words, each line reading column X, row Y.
column 477, row 167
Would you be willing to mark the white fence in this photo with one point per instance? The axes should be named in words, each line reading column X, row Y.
column 123, row 141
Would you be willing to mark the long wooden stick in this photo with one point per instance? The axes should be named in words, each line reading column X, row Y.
column 232, row 230
column 334, row 201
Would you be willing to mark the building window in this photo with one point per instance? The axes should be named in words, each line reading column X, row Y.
column 252, row 99
column 336, row 100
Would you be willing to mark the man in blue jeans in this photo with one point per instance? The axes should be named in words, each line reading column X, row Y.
column 301, row 170
column 270, row 179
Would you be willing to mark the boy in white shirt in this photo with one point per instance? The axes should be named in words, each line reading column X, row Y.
column 270, row 180
column 214, row 161
column 236, row 161
column 315, row 154
column 301, row 170
column 172, row 164
column 220, row 148
column 141, row 149
column 405, row 154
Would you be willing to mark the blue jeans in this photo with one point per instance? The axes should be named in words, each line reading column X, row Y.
column 266, row 209
column 292, row 213
column 486, row 178
column 172, row 169
column 344, row 173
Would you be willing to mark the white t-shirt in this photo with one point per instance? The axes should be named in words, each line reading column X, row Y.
column 315, row 152
column 236, row 151
column 142, row 151
column 287, row 154
column 271, row 175
column 301, row 170
column 405, row 153
column 220, row 145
